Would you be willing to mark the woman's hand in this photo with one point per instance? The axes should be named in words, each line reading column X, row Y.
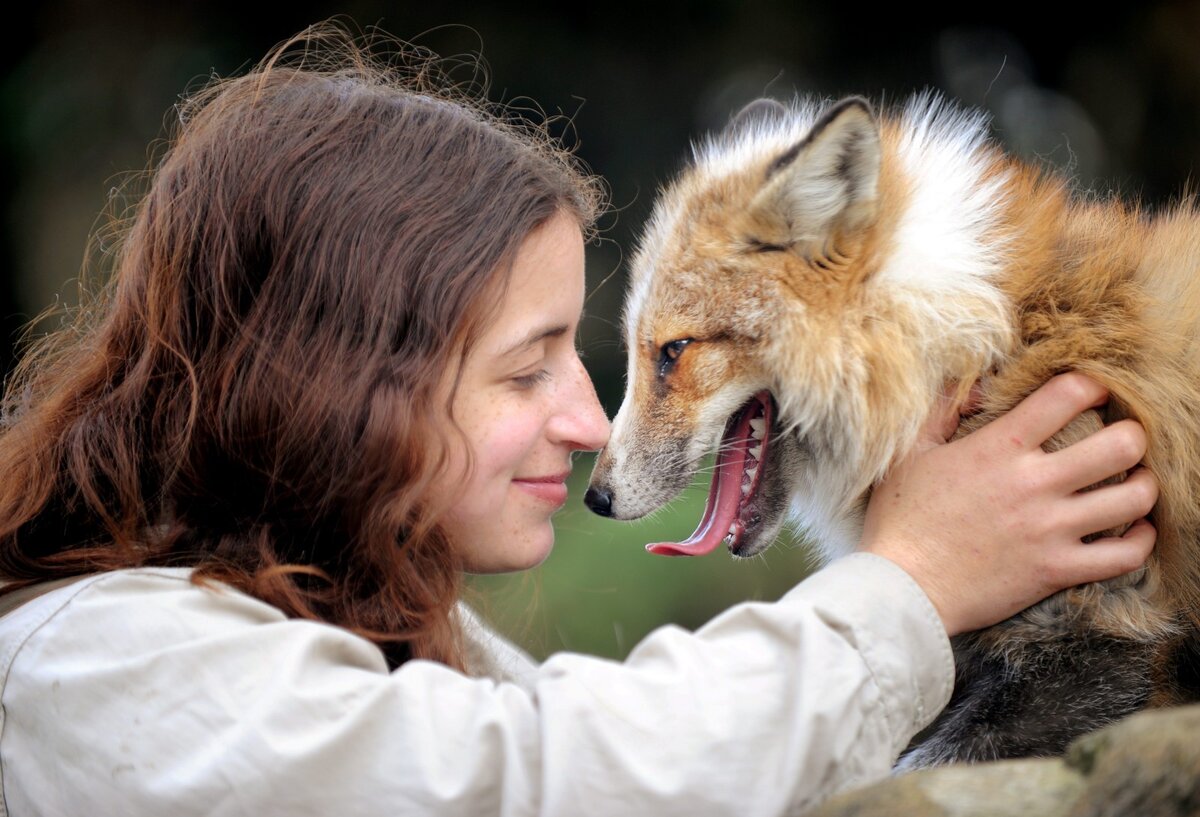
column 990, row 524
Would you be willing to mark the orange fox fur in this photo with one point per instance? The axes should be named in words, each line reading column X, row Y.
column 835, row 302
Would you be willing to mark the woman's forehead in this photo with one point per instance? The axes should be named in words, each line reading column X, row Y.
column 544, row 297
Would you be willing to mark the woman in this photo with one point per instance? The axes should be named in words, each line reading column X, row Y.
column 334, row 370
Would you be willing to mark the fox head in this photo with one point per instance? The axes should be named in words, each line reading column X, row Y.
column 767, row 321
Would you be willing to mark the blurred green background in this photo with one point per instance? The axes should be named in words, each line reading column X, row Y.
column 1112, row 99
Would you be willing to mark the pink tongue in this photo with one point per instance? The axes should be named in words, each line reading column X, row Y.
column 721, row 508
column 720, row 511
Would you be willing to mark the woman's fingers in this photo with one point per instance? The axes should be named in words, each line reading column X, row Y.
column 1111, row 506
column 1108, row 557
column 1110, row 451
column 1044, row 413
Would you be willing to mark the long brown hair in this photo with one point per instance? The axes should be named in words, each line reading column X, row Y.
column 262, row 390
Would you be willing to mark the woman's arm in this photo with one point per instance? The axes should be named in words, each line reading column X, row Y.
column 140, row 693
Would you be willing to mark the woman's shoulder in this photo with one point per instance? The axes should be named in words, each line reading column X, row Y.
column 141, row 609
column 131, row 595
column 136, row 616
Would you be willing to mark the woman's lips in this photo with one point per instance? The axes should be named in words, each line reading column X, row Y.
column 550, row 489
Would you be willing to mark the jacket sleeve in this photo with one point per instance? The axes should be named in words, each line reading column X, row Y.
column 214, row 703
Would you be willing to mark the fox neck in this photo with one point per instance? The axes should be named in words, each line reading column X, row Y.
column 935, row 309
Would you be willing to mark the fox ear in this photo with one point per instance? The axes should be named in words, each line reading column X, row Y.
column 760, row 110
column 829, row 179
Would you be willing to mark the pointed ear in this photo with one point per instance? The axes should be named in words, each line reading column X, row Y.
column 760, row 110
column 830, row 178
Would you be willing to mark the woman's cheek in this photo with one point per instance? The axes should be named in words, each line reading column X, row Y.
column 512, row 441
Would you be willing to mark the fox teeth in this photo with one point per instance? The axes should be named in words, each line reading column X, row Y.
column 733, row 529
column 746, row 488
column 756, row 451
column 758, row 425
column 752, row 472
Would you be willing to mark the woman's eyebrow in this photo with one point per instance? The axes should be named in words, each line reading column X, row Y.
column 535, row 336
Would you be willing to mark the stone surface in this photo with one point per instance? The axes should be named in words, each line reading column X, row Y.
column 1145, row 766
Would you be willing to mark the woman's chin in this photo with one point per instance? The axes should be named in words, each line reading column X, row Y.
column 527, row 554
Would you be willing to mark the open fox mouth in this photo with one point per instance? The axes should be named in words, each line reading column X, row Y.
column 732, row 508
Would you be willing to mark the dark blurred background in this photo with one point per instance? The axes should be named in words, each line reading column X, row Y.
column 1112, row 99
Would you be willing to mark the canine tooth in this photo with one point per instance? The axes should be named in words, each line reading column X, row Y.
column 746, row 488
column 752, row 472
column 758, row 424
column 733, row 529
column 756, row 451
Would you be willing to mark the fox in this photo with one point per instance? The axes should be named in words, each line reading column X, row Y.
column 801, row 295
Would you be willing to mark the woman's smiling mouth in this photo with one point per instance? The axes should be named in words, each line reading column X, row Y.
column 551, row 489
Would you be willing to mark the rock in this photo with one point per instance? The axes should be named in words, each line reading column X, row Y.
column 1011, row 788
column 1147, row 765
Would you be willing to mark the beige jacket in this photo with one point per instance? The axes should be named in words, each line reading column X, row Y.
column 139, row 693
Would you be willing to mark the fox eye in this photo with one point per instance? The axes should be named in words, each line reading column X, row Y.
column 674, row 349
column 758, row 245
column 669, row 353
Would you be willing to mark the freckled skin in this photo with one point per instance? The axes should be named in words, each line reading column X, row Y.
column 517, row 433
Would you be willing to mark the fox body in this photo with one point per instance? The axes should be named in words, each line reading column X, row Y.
column 805, row 290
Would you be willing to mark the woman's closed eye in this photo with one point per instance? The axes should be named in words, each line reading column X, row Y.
column 528, row 381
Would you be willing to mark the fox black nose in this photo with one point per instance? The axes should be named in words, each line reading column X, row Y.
column 599, row 500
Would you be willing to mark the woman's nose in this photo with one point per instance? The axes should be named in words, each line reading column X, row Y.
column 582, row 422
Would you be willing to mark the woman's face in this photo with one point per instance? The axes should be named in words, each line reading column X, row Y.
column 525, row 403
